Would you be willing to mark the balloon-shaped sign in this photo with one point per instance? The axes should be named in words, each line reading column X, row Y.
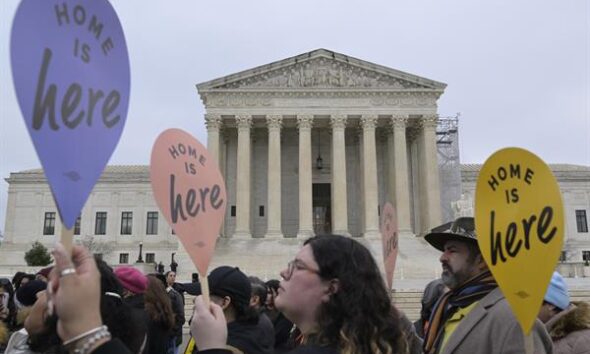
column 190, row 192
column 519, row 223
column 71, row 75
column 389, row 238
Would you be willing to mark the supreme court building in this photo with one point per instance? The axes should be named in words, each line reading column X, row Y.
column 318, row 142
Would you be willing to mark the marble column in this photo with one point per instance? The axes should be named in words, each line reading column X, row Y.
column 430, row 189
column 370, row 186
column 304, row 122
column 400, row 173
column 273, row 220
column 213, row 123
column 339, row 195
column 244, row 124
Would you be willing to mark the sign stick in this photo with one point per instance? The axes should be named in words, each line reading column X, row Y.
column 204, row 288
column 66, row 238
column 529, row 344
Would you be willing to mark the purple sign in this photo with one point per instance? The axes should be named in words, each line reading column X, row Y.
column 71, row 75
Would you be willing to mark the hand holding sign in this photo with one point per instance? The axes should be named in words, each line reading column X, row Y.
column 190, row 192
column 71, row 75
column 519, row 222
column 389, row 237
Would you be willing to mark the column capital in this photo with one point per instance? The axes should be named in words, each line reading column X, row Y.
column 429, row 121
column 274, row 121
column 338, row 121
column 399, row 121
column 213, row 121
column 244, row 121
column 304, row 121
column 369, row 121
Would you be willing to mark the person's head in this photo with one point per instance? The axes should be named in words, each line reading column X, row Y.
column 25, row 279
column 230, row 288
column 16, row 279
column 272, row 287
column 333, row 291
column 7, row 299
column 432, row 292
column 170, row 278
column 117, row 315
column 258, row 297
column 157, row 303
column 133, row 281
column 461, row 259
column 27, row 294
column 556, row 299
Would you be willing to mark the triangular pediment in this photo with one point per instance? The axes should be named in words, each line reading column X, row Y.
column 321, row 70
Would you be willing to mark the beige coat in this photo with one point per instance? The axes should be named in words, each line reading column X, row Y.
column 491, row 328
column 570, row 329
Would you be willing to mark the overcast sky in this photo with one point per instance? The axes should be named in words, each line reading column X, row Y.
column 518, row 71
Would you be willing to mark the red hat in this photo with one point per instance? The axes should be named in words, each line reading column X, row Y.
column 132, row 279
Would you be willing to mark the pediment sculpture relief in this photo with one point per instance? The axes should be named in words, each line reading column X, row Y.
column 322, row 73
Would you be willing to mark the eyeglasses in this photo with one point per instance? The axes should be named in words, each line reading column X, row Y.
column 299, row 265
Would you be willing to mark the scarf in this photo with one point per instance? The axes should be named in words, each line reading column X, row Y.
column 467, row 293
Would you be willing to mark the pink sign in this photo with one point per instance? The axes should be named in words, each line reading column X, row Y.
column 389, row 236
column 190, row 192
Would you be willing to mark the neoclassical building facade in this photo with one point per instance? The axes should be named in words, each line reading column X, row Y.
column 318, row 142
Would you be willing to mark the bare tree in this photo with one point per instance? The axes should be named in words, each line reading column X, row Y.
column 97, row 246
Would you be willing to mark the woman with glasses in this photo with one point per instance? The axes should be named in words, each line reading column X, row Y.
column 334, row 293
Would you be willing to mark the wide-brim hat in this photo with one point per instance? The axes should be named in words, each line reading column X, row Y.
column 462, row 229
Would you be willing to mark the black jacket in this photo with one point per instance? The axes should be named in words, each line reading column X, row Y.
column 178, row 309
column 249, row 337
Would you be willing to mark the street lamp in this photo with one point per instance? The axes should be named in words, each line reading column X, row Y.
column 319, row 162
column 140, row 258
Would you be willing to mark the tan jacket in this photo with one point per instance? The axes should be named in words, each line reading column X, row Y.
column 491, row 328
column 570, row 329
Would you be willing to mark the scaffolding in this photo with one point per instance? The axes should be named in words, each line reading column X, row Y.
column 449, row 165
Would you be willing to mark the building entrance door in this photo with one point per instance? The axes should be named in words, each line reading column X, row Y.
column 322, row 211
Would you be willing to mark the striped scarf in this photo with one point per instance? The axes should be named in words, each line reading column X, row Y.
column 472, row 290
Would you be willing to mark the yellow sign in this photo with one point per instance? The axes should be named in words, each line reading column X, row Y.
column 519, row 224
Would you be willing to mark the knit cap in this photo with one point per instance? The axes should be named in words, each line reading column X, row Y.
column 132, row 279
column 45, row 271
column 557, row 294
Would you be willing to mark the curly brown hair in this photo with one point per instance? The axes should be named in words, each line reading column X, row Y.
column 359, row 318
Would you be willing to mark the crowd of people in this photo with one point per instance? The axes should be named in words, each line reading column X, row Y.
column 331, row 298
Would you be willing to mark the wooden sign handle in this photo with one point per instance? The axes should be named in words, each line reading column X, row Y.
column 204, row 288
column 66, row 239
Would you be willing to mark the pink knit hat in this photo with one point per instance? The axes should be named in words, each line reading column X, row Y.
column 132, row 279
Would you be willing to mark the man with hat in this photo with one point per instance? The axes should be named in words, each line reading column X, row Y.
column 568, row 322
column 473, row 316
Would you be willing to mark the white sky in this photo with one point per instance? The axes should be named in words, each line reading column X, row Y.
column 518, row 71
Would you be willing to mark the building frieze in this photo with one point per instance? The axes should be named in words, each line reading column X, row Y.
column 325, row 98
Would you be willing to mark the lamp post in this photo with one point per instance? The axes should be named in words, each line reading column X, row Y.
column 319, row 162
column 140, row 258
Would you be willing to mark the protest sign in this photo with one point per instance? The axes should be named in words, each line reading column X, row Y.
column 389, row 238
column 71, row 75
column 519, row 223
column 190, row 192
